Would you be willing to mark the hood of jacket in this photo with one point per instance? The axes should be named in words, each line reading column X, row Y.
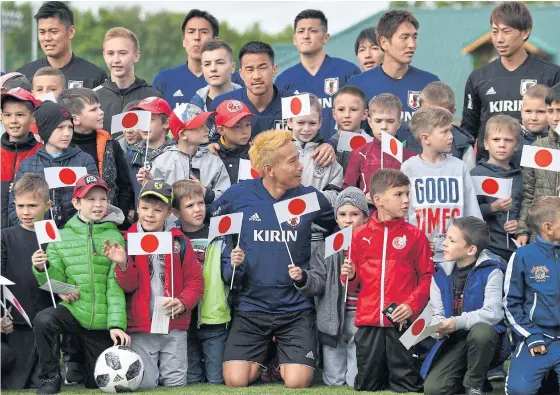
column 491, row 170
column 24, row 145
column 68, row 153
column 203, row 92
column 530, row 137
column 137, row 84
column 232, row 152
column 461, row 137
column 485, row 258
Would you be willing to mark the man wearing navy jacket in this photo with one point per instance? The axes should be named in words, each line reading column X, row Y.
column 317, row 72
column 269, row 304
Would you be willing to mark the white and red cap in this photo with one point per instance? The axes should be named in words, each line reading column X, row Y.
column 229, row 112
column 187, row 117
column 153, row 104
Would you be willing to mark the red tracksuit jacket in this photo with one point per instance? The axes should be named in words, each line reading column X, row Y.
column 135, row 282
column 393, row 263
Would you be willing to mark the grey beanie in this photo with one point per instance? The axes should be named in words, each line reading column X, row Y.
column 353, row 196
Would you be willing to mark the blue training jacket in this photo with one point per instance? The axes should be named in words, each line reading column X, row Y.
column 265, row 285
column 531, row 288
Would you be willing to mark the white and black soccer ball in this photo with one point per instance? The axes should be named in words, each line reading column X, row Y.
column 119, row 369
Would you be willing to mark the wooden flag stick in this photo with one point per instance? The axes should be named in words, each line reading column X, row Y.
column 48, row 279
column 233, row 274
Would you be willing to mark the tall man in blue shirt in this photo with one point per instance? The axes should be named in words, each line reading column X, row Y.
column 317, row 72
column 179, row 84
column 397, row 33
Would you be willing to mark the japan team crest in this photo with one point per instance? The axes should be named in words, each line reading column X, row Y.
column 293, row 222
column 539, row 273
column 75, row 84
column 331, row 86
column 525, row 84
column 414, row 99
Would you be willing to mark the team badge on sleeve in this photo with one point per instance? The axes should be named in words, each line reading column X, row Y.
column 414, row 99
column 331, row 86
column 526, row 84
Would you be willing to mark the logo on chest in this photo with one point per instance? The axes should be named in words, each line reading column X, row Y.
column 331, row 86
column 414, row 99
column 540, row 273
column 399, row 242
column 526, row 84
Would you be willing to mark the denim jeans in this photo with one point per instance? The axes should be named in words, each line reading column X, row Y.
column 205, row 353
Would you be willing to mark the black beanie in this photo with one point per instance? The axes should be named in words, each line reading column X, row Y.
column 48, row 116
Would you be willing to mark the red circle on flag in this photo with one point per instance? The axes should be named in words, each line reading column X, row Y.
column 490, row 186
column 224, row 225
column 295, row 106
column 357, row 141
column 393, row 147
column 254, row 173
column 297, row 206
column 418, row 327
column 338, row 242
column 129, row 120
column 67, row 176
column 543, row 158
column 149, row 243
column 49, row 229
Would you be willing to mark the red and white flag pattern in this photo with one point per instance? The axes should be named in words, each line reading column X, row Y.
column 392, row 146
column 46, row 231
column 540, row 158
column 493, row 187
column 225, row 225
column 246, row 172
column 12, row 299
column 139, row 120
column 296, row 106
column 338, row 241
column 296, row 207
column 150, row 243
column 419, row 330
column 349, row 141
column 60, row 177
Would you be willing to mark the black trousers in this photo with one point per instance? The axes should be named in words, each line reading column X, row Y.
column 21, row 371
column 464, row 360
column 49, row 324
column 384, row 363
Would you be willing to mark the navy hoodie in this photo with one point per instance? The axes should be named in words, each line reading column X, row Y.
column 496, row 221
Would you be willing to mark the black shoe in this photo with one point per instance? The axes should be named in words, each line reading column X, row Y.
column 474, row 391
column 50, row 386
column 74, row 373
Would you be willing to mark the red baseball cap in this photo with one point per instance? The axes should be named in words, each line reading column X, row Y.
column 187, row 116
column 153, row 104
column 21, row 94
column 230, row 112
column 86, row 183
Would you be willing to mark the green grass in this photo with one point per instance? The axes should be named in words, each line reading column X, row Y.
column 257, row 389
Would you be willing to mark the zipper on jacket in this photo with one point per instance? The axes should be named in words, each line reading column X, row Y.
column 533, row 308
column 14, row 165
column 382, row 293
column 90, row 264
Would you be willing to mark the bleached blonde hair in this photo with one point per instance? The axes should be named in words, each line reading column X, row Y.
column 266, row 145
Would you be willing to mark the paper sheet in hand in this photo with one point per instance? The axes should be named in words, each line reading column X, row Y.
column 160, row 321
column 59, row 287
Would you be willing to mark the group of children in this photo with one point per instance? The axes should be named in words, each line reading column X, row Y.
column 419, row 237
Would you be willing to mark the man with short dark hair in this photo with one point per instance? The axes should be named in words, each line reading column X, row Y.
column 317, row 72
column 180, row 83
column 55, row 27
column 498, row 87
column 397, row 33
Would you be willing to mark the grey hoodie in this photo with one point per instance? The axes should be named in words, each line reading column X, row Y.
column 439, row 192
column 174, row 165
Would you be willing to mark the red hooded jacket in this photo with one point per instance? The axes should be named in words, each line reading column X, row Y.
column 135, row 282
column 393, row 261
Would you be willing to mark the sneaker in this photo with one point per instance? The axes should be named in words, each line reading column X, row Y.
column 474, row 391
column 497, row 374
column 74, row 373
column 50, row 386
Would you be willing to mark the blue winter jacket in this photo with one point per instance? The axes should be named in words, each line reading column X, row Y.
column 532, row 292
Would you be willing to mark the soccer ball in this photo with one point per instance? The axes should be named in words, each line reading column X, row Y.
column 119, row 369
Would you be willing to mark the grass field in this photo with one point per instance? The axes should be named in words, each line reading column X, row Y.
column 257, row 389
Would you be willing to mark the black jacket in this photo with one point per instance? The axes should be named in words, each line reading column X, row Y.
column 462, row 140
column 113, row 101
column 230, row 157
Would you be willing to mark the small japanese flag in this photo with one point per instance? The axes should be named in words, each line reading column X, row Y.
column 338, row 241
column 246, row 172
column 12, row 299
column 540, row 158
column 60, row 177
column 418, row 330
column 46, row 231
column 349, row 141
column 225, row 225
column 493, row 187
column 296, row 106
column 154, row 243
column 131, row 120
column 392, row 146
column 46, row 97
column 296, row 207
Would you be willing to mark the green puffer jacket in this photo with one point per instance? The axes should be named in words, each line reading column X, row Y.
column 78, row 260
column 537, row 182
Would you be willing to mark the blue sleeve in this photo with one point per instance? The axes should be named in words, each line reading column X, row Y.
column 325, row 217
column 158, row 82
column 197, row 101
column 236, row 78
column 514, row 290
column 354, row 71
